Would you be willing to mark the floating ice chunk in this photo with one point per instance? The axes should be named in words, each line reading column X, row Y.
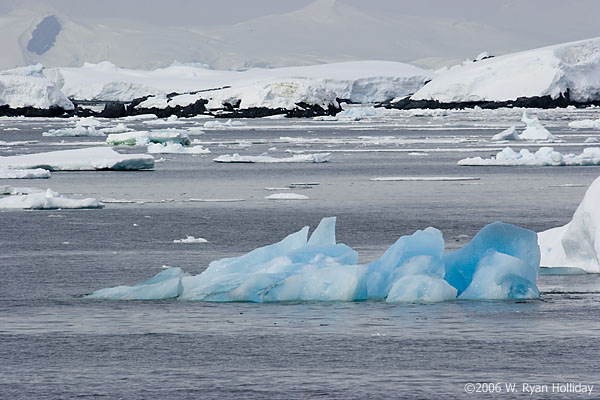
column 507, row 134
column 164, row 285
column 175, row 148
column 88, row 121
column 424, row 178
column 585, row 124
column 591, row 140
column 298, row 158
column 545, row 156
column 37, row 173
column 286, row 196
column 88, row 159
column 78, row 131
column 172, row 120
column 216, row 124
column 143, row 138
column 356, row 113
column 46, row 201
column 119, row 128
column 535, row 130
column 191, row 239
column 419, row 253
column 510, row 240
column 576, row 244
column 420, row 289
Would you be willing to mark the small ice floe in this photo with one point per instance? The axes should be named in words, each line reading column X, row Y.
column 88, row 159
column 545, row 156
column 78, row 131
column 216, row 124
column 535, row 130
column 213, row 200
column 507, row 134
column 172, row 120
column 144, row 138
column 48, row 200
column 37, row 173
column 303, row 185
column 191, row 239
column 424, row 178
column 119, row 128
column 585, row 124
column 141, row 117
column 195, row 130
column 591, row 140
column 419, row 154
column 287, row 196
column 356, row 113
column 18, row 143
column 176, row 148
column 298, row 158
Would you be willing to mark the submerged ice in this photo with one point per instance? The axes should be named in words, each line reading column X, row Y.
column 501, row 262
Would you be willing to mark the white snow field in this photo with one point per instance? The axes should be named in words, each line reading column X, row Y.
column 298, row 158
column 548, row 71
column 175, row 148
column 576, row 244
column 47, row 200
column 86, row 159
column 545, row 156
column 501, row 262
column 144, row 138
column 28, row 87
column 37, row 173
column 359, row 81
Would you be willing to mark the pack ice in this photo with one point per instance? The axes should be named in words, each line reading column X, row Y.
column 87, row 159
column 576, row 244
column 501, row 262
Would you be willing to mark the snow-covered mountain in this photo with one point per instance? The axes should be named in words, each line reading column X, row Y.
column 323, row 32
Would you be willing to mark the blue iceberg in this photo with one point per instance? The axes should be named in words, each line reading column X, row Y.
column 501, row 262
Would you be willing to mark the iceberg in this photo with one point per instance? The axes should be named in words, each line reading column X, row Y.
column 144, row 138
column 35, row 91
column 164, row 285
column 37, row 173
column 535, row 130
column 507, row 134
column 298, row 158
column 175, row 148
column 190, row 239
column 576, row 244
column 87, row 159
column 501, row 262
column 544, row 157
column 49, row 200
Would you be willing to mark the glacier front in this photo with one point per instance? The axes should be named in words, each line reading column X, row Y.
column 501, row 262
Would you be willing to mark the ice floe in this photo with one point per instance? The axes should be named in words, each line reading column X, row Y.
column 175, row 148
column 87, row 159
column 48, row 200
column 507, row 134
column 577, row 244
column 190, row 239
column 585, row 124
column 545, row 156
column 37, row 173
column 298, row 158
column 424, row 178
column 501, row 262
column 77, row 131
column 216, row 124
column 144, row 138
column 286, row 196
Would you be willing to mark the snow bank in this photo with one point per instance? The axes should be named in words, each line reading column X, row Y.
column 585, row 124
column 577, row 244
column 87, row 159
column 298, row 158
column 37, row 173
column 175, row 148
column 46, row 201
column 549, row 71
column 358, row 81
column 27, row 87
column 501, row 262
column 507, row 134
column 545, row 156
column 535, row 130
column 143, row 138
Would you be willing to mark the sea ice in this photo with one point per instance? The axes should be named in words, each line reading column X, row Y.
column 286, row 196
column 216, row 124
column 298, row 158
column 576, row 244
column 37, row 173
column 144, row 138
column 585, row 124
column 77, row 131
column 545, row 156
column 501, row 262
column 48, row 200
column 175, row 148
column 87, row 159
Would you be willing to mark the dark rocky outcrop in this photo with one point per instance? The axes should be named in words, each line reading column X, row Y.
column 7, row 111
column 113, row 109
column 562, row 101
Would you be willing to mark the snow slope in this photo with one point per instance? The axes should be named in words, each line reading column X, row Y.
column 577, row 244
column 548, row 71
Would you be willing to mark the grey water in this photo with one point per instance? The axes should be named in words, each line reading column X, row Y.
column 56, row 344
